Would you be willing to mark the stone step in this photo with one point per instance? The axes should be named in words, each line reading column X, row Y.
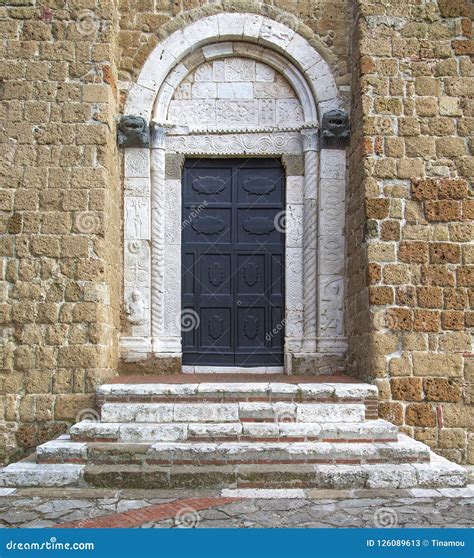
column 226, row 392
column 243, row 411
column 438, row 473
column 405, row 451
column 374, row 430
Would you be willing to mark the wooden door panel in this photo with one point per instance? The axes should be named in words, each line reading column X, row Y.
column 233, row 262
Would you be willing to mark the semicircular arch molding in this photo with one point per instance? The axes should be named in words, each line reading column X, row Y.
column 215, row 33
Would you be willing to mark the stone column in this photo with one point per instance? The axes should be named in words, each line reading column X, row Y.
column 311, row 172
column 158, row 136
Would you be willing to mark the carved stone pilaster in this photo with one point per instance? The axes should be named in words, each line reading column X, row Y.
column 157, row 232
column 310, row 209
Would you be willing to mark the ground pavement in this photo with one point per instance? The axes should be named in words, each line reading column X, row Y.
column 56, row 507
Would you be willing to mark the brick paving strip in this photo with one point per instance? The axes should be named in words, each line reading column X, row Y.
column 158, row 512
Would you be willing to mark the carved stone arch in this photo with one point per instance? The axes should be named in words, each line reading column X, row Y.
column 226, row 27
column 315, row 189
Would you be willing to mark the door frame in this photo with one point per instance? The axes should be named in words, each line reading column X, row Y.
column 315, row 339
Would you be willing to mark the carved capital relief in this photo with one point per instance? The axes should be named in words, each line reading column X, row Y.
column 310, row 138
column 158, row 135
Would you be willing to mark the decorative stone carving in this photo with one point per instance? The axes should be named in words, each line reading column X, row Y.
column 310, row 139
column 194, row 113
column 239, row 69
column 264, row 73
column 289, row 112
column 266, row 108
column 137, row 163
column 276, row 32
column 332, row 214
column 137, row 221
column 333, row 164
column 133, row 131
column 137, row 263
column 137, row 186
column 237, row 113
column 335, row 129
column 135, row 308
column 331, row 306
column 204, row 72
column 331, row 250
column 236, row 144
column 274, row 91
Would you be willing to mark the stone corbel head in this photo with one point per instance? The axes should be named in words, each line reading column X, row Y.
column 335, row 129
column 133, row 131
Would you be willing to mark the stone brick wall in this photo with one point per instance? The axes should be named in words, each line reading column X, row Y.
column 143, row 22
column 411, row 163
column 60, row 208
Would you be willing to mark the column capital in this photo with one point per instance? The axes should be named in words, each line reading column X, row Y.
column 310, row 138
column 158, row 134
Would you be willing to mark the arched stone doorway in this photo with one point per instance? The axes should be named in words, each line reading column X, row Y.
column 235, row 85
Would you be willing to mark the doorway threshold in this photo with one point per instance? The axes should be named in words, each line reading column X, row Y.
column 190, row 369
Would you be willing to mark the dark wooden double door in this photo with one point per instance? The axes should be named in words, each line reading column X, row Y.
column 233, row 262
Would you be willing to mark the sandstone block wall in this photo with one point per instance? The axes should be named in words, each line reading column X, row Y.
column 411, row 255
column 60, row 215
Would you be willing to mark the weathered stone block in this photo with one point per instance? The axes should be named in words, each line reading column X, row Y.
column 420, row 414
column 407, row 389
column 442, row 389
column 434, row 364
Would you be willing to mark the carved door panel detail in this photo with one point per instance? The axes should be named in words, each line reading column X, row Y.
column 233, row 277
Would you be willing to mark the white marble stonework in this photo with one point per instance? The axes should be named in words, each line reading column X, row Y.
column 227, row 85
column 235, row 92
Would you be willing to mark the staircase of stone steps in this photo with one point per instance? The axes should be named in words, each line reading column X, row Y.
column 266, row 434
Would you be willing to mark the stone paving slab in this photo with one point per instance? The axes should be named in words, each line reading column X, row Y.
column 87, row 507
